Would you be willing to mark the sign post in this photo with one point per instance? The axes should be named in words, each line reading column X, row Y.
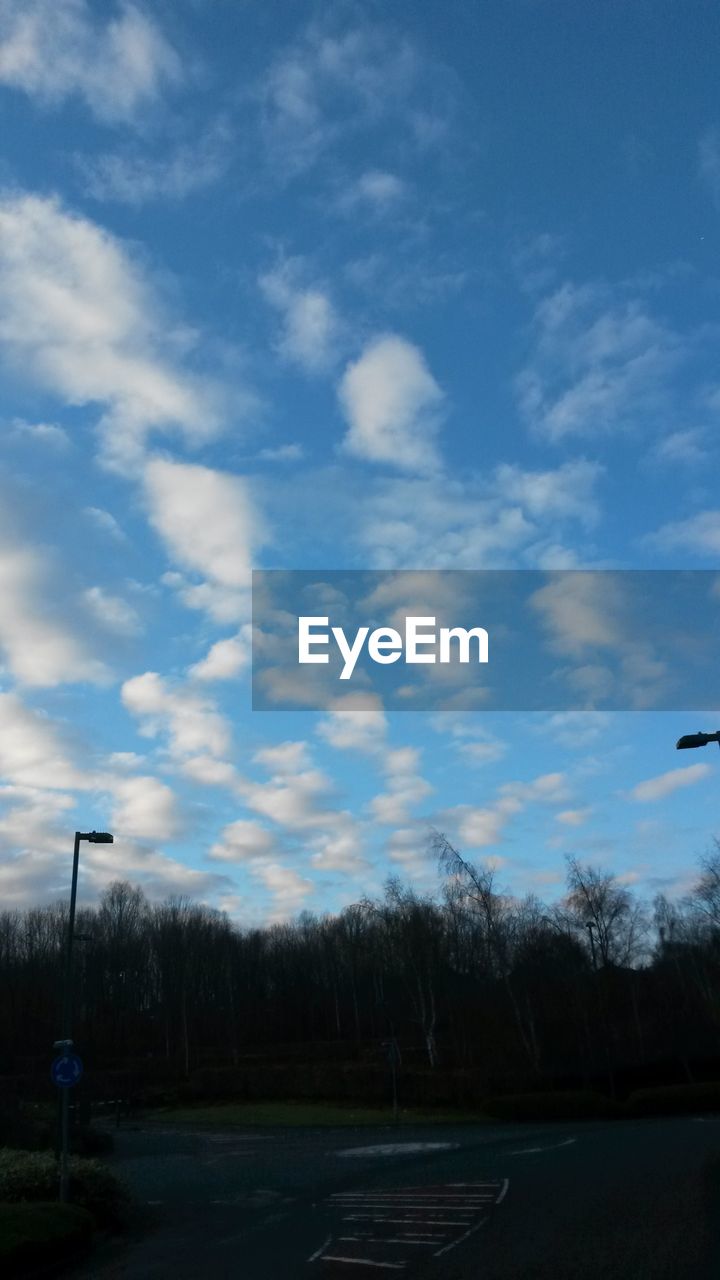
column 66, row 1071
column 394, row 1059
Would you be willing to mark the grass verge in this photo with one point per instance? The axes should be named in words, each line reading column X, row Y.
column 300, row 1114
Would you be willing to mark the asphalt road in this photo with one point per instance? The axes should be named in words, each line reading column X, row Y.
column 583, row 1202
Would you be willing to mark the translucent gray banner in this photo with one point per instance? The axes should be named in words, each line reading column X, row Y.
column 495, row 640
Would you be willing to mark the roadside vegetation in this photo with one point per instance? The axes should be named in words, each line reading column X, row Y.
column 40, row 1233
column 35, row 1229
column 475, row 1003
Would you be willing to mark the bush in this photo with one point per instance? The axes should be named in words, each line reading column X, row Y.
column 673, row 1100
column 578, row 1105
column 34, row 1175
column 35, row 1234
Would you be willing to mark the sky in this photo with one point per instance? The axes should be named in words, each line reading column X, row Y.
column 327, row 287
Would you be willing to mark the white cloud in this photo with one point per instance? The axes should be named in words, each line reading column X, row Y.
column 48, row 433
column 600, row 363
column 209, row 771
column 33, row 752
column 78, row 318
column 355, row 722
column 192, row 723
column 699, row 534
column 481, row 826
column 478, row 828
column 510, row 518
column 282, row 453
column 287, row 887
column 144, row 808
column 242, row 840
column 158, row 874
column 581, row 610
column 406, row 789
column 104, row 520
column 573, row 729
column 112, row 612
column 573, row 817
column 564, row 493
column 294, row 801
column 392, row 404
column 56, row 49
column 665, row 783
column 137, row 179
column 375, row 189
column 476, row 745
column 340, row 847
column 310, row 325
column 40, row 644
column 225, row 659
column 685, row 447
column 209, row 524
column 327, row 86
column 284, row 758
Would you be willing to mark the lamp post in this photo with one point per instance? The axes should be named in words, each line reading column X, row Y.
column 697, row 740
column 93, row 837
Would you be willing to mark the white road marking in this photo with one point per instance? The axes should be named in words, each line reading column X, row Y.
column 433, row 1222
column 555, row 1146
column 383, row 1240
column 316, row 1254
column 453, row 1243
column 415, row 1201
column 424, row 1235
column 431, row 1216
column 365, row 1262
column 397, row 1148
column 421, row 1196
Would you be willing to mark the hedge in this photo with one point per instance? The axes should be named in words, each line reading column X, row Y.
column 34, row 1175
column 679, row 1099
column 33, row 1235
column 578, row 1105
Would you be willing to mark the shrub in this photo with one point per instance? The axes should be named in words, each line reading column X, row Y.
column 674, row 1100
column 34, row 1175
column 577, row 1105
column 35, row 1234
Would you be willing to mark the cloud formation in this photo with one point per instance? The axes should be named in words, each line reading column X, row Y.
column 57, row 49
column 79, row 317
column 392, row 404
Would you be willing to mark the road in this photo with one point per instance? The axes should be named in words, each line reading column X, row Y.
column 622, row 1201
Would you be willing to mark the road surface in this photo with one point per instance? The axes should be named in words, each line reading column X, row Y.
column 621, row 1201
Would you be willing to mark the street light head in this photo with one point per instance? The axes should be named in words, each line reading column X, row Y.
column 696, row 740
column 100, row 837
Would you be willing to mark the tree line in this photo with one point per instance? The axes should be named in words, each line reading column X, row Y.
column 598, row 988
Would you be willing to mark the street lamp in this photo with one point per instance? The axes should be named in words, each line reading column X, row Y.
column 697, row 740
column 93, row 837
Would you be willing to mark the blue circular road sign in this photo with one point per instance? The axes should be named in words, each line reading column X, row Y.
column 66, row 1070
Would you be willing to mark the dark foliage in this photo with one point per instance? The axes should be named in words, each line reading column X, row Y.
column 483, row 993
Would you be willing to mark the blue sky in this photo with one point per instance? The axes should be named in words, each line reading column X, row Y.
column 341, row 286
